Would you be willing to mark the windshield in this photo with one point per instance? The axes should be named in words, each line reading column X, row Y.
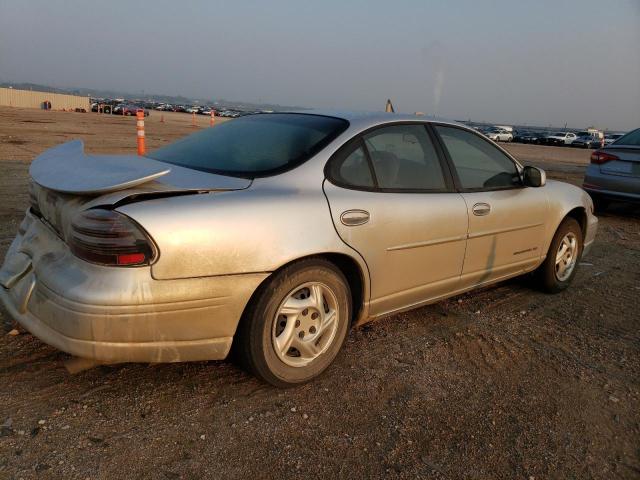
column 631, row 139
column 254, row 145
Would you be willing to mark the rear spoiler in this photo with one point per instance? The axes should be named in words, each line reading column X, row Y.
column 67, row 169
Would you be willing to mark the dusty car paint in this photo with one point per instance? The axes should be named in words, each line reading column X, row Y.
column 72, row 304
column 218, row 238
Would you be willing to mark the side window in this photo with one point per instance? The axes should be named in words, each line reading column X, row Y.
column 479, row 164
column 403, row 157
column 351, row 168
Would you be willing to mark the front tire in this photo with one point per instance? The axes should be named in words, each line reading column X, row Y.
column 296, row 323
column 559, row 268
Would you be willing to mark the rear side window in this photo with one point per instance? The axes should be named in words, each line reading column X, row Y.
column 254, row 145
column 480, row 165
column 351, row 168
column 631, row 139
column 403, row 158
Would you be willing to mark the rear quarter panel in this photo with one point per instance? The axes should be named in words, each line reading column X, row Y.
column 229, row 233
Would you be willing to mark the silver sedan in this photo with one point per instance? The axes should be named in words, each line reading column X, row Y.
column 274, row 234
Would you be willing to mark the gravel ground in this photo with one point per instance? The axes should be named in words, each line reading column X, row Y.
column 504, row 382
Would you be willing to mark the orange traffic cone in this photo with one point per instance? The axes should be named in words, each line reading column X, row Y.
column 140, row 130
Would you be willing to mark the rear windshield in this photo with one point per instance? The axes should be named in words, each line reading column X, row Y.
column 254, row 145
column 631, row 138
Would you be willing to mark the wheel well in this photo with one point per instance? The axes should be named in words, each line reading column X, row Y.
column 349, row 268
column 580, row 215
column 355, row 278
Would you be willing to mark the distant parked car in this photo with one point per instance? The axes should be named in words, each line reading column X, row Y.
column 499, row 135
column 528, row 137
column 587, row 141
column 535, row 137
column 519, row 135
column 612, row 137
column 102, row 106
column 614, row 171
column 128, row 110
column 561, row 138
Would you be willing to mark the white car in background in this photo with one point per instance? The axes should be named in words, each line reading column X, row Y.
column 499, row 135
column 561, row 138
column 609, row 139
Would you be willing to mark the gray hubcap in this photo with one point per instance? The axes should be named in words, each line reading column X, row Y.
column 567, row 256
column 306, row 324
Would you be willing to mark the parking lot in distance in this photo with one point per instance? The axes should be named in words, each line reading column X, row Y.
column 501, row 383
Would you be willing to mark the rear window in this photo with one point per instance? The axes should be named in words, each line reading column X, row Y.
column 631, row 138
column 254, row 145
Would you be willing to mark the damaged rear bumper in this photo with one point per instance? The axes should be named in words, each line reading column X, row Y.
column 115, row 314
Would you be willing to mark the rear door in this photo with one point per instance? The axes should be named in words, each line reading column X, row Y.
column 392, row 199
column 507, row 220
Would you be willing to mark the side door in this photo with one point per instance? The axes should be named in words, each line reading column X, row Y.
column 507, row 221
column 392, row 199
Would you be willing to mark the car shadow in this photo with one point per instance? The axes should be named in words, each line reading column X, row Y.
column 620, row 209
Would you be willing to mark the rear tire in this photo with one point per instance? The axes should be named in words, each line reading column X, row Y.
column 296, row 323
column 559, row 268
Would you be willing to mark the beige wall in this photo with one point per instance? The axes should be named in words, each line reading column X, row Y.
column 31, row 99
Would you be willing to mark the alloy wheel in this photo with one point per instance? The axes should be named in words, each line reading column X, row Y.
column 305, row 324
column 566, row 256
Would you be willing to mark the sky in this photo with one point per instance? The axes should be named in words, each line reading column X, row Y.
column 543, row 62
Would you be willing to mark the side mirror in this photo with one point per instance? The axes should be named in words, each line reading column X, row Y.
column 534, row 176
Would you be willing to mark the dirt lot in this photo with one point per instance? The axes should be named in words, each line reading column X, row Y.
column 501, row 383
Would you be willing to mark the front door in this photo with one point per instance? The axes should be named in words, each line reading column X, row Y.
column 506, row 219
column 392, row 202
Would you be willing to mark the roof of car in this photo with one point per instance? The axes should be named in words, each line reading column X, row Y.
column 375, row 118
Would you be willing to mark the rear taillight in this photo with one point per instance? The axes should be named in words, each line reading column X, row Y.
column 599, row 157
column 107, row 237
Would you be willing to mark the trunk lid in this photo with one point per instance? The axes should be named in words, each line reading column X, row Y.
column 627, row 165
column 66, row 180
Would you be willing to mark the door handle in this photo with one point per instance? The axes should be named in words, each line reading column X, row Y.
column 352, row 218
column 481, row 209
